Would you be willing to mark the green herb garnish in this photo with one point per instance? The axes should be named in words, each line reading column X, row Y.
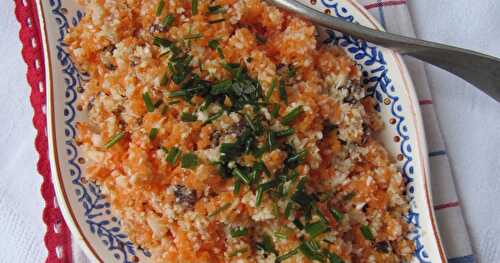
column 275, row 111
column 238, row 232
column 193, row 36
column 160, row 7
column 316, row 228
column 153, row 133
column 311, row 250
column 367, row 232
column 189, row 161
column 164, row 79
column 173, row 155
column 162, row 42
column 267, row 244
column 216, row 21
column 285, row 133
column 215, row 116
column 270, row 91
column 194, row 7
column 291, row 116
column 114, row 139
column 336, row 214
column 215, row 45
column 282, row 90
column 168, row 21
column 334, row 258
column 216, row 9
column 188, row 117
column 219, row 210
column 242, row 175
column 149, row 103
column 287, row 255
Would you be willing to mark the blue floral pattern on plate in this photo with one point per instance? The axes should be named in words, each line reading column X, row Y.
column 98, row 216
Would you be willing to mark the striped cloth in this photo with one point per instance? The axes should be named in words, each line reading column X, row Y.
column 395, row 17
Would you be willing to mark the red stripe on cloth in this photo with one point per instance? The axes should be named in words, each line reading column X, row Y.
column 57, row 238
column 385, row 3
column 446, row 205
column 425, row 102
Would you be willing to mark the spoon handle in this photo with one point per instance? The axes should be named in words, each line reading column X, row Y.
column 483, row 71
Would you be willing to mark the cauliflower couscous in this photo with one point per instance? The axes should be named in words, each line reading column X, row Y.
column 222, row 131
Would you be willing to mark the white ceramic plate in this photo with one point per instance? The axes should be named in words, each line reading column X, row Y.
column 88, row 215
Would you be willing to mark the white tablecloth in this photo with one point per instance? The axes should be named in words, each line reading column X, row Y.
column 470, row 122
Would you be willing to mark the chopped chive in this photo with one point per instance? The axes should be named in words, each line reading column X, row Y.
column 168, row 21
column 285, row 133
column 287, row 255
column 283, row 232
column 188, row 117
column 267, row 244
column 189, row 161
column 215, row 116
column 367, row 232
column 193, row 36
column 270, row 91
column 237, row 251
column 336, row 214
column 153, row 133
column 219, row 210
column 310, row 249
column 280, row 235
column 114, row 139
column 275, row 111
column 237, row 187
column 238, row 232
column 216, row 9
column 258, row 196
column 164, row 79
column 291, row 116
column 334, row 258
column 269, row 185
column 292, row 72
column 162, row 42
column 160, row 7
column 250, row 122
column 282, row 90
column 316, row 228
column 164, row 149
column 271, row 140
column 296, row 158
column 260, row 39
column 302, row 198
column 149, row 103
column 298, row 224
column 288, row 210
column 173, row 102
column 194, row 7
column 242, row 176
column 173, row 155
column 216, row 21
column 214, row 44
column 178, row 93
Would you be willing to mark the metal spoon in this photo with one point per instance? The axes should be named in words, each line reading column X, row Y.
column 481, row 70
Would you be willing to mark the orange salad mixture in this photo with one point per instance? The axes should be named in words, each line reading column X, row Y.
column 221, row 131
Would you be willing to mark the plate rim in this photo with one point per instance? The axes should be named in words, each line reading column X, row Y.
column 56, row 175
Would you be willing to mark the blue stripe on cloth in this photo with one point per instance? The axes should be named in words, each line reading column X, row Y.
column 465, row 259
column 381, row 13
column 437, row 153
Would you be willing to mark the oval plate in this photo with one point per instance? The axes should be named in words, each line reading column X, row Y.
column 88, row 214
